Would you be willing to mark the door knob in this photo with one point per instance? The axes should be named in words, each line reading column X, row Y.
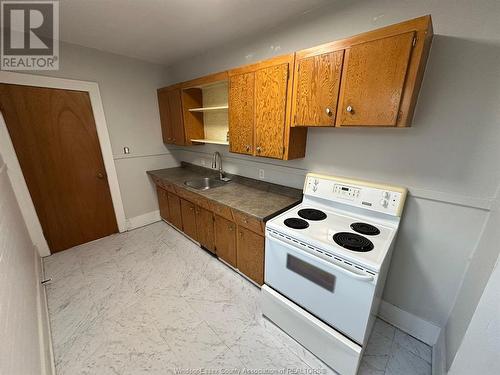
column 100, row 175
column 349, row 109
column 329, row 112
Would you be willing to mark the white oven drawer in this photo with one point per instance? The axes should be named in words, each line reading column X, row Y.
column 334, row 294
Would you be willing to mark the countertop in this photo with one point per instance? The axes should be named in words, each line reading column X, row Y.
column 260, row 199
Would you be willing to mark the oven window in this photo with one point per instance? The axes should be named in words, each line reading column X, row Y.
column 310, row 272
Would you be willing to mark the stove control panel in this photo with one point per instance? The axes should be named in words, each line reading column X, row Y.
column 372, row 196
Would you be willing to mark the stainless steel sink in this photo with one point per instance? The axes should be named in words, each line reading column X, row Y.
column 204, row 183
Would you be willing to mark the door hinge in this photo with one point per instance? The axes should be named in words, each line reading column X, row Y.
column 414, row 41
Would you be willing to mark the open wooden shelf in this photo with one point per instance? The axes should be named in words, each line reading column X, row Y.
column 208, row 109
column 211, row 141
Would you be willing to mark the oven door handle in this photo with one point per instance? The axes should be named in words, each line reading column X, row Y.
column 354, row 275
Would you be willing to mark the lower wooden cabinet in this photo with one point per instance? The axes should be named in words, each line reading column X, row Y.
column 174, row 208
column 239, row 243
column 225, row 240
column 189, row 219
column 250, row 254
column 163, row 203
column 205, row 228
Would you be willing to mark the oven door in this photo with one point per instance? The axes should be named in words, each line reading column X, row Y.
column 336, row 295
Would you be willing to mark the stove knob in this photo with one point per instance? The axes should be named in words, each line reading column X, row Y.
column 386, row 195
column 384, row 203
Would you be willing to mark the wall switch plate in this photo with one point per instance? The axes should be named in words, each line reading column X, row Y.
column 261, row 174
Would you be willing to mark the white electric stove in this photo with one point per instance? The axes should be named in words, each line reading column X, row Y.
column 326, row 263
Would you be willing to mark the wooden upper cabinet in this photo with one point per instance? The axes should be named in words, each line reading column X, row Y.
column 373, row 80
column 270, row 110
column 316, row 88
column 259, row 110
column 241, row 113
column 172, row 125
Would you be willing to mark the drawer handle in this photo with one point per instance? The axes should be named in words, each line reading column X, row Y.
column 329, row 112
column 349, row 109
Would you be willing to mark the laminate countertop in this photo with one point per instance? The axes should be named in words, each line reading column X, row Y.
column 260, row 199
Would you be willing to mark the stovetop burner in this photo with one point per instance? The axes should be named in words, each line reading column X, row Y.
column 296, row 223
column 312, row 214
column 353, row 241
column 365, row 228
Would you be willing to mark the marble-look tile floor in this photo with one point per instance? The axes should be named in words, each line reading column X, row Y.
column 150, row 301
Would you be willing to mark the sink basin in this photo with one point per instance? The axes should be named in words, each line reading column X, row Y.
column 204, row 183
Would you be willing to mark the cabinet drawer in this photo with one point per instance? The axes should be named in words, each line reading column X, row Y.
column 248, row 221
column 186, row 194
column 222, row 210
column 204, row 203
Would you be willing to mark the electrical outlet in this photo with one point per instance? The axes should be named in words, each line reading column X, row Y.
column 261, row 174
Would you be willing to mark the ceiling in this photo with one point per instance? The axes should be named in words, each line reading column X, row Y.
column 165, row 31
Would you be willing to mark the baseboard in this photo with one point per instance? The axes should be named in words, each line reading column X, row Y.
column 45, row 337
column 439, row 355
column 142, row 220
column 409, row 323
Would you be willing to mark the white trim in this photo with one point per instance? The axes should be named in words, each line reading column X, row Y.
column 409, row 323
column 44, row 331
column 142, row 220
column 19, row 185
column 439, row 355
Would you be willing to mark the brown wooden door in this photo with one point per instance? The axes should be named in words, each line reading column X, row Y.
column 175, row 213
column 241, row 113
column 225, row 240
column 251, row 254
column 163, row 203
column 205, row 228
column 167, row 130
column 189, row 219
column 317, row 89
column 373, row 79
column 270, row 110
column 55, row 138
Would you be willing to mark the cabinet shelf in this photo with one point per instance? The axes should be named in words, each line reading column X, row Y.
column 208, row 109
column 211, row 141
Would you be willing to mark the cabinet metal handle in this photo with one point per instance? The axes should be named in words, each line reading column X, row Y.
column 329, row 112
column 349, row 109
column 259, row 149
column 100, row 175
column 247, row 147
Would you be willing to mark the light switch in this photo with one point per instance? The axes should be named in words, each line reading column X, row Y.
column 126, row 150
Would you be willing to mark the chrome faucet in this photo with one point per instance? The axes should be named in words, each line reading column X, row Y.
column 216, row 156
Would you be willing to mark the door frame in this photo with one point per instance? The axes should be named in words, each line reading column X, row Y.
column 14, row 169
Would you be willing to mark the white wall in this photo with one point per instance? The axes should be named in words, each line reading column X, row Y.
column 478, row 272
column 479, row 351
column 24, row 347
column 128, row 90
column 448, row 159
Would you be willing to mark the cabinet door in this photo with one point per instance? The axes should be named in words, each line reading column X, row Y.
column 163, row 203
column 174, row 206
column 188, row 218
column 205, row 228
column 167, row 130
column 373, row 79
column 317, row 89
column 251, row 254
column 270, row 110
column 241, row 113
column 225, row 240
column 176, row 120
